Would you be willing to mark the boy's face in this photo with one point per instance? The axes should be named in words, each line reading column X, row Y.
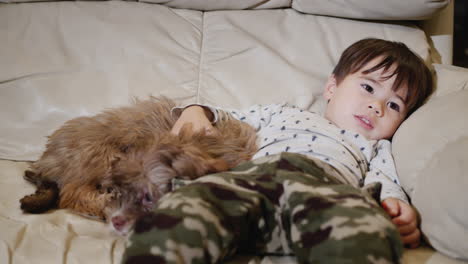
column 366, row 103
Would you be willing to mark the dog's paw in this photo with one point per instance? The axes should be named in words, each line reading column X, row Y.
column 45, row 198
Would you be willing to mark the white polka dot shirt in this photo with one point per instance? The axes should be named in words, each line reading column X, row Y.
column 283, row 128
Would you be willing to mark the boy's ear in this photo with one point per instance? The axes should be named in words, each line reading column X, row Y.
column 330, row 87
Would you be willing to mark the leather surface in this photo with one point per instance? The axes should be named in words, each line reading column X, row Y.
column 61, row 60
column 66, row 59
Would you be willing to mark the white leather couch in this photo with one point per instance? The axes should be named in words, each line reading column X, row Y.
column 59, row 60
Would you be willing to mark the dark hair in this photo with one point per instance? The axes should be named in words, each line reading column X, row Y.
column 410, row 69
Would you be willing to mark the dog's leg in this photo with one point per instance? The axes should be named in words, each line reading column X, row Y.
column 43, row 199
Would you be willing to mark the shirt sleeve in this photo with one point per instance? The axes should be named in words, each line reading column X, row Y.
column 382, row 169
column 258, row 116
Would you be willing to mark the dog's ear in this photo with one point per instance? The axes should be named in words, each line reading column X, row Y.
column 192, row 163
column 158, row 164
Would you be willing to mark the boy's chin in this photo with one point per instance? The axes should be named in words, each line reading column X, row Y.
column 369, row 135
column 376, row 137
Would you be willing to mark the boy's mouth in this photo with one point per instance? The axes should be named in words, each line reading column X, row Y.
column 364, row 122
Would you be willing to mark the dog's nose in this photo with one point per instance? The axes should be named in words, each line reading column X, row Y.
column 118, row 222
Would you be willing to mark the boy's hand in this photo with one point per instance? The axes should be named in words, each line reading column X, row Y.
column 404, row 216
column 197, row 117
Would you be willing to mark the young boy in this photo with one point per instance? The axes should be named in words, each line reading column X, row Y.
column 316, row 205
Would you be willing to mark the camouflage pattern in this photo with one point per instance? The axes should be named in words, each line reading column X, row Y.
column 282, row 205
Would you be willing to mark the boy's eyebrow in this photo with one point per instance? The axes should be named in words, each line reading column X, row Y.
column 378, row 83
column 371, row 79
column 401, row 98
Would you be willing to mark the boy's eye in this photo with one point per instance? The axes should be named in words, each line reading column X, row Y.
column 394, row 106
column 368, row 88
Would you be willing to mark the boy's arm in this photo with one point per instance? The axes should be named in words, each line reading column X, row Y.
column 393, row 199
column 203, row 116
column 382, row 169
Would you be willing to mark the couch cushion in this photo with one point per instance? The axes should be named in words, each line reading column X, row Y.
column 60, row 60
column 272, row 56
column 208, row 5
column 361, row 9
column 204, row 5
column 450, row 79
column 62, row 237
column 451, row 82
column 78, row 58
column 372, row 9
column 55, row 237
column 432, row 167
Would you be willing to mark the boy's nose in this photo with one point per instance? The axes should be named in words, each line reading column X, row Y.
column 376, row 107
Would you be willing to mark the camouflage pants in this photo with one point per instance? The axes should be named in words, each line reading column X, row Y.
column 283, row 204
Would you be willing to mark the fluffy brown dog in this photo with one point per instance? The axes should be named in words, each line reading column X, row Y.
column 143, row 176
column 126, row 158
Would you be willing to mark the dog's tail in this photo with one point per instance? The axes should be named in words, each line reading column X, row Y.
column 45, row 197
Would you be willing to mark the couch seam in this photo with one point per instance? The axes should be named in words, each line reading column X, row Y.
column 200, row 60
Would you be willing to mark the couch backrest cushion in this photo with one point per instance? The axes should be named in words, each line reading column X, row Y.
column 372, row 9
column 449, row 79
column 78, row 58
column 209, row 5
column 359, row 9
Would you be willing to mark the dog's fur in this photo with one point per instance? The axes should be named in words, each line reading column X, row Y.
column 186, row 156
column 122, row 161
